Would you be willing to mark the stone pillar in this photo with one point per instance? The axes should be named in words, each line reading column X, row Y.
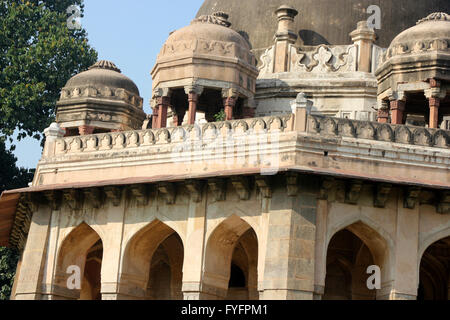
column 383, row 112
column 364, row 37
column 85, row 130
column 193, row 92
column 405, row 276
column 284, row 37
column 434, row 96
column 301, row 108
column 230, row 97
column 397, row 106
column 162, row 104
column 193, row 252
column 290, row 252
column 155, row 117
column 29, row 282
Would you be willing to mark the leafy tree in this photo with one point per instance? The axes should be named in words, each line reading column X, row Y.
column 8, row 264
column 38, row 55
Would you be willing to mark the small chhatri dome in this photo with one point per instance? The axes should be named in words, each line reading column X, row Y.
column 100, row 99
column 429, row 34
column 206, row 49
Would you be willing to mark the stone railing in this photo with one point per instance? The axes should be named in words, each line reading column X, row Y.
column 134, row 139
column 328, row 126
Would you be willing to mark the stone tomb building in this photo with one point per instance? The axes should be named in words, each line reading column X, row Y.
column 293, row 191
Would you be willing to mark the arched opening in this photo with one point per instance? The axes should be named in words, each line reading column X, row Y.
column 435, row 272
column 350, row 252
column 231, row 261
column 82, row 248
column 153, row 264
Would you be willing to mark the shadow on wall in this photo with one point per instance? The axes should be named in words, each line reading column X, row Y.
column 312, row 38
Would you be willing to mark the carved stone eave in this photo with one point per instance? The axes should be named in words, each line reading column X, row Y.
column 264, row 184
column 54, row 198
column 168, row 190
column 195, row 189
column 353, row 192
column 326, row 186
column 94, row 196
column 412, row 195
column 114, row 194
column 140, row 192
column 381, row 196
column 73, row 198
column 292, row 184
column 218, row 188
column 241, row 185
column 444, row 203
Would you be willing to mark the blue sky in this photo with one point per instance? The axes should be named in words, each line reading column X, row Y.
column 129, row 33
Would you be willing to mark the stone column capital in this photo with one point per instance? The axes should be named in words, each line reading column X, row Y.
column 397, row 96
column 162, row 92
column 435, row 92
column 230, row 93
column 194, row 88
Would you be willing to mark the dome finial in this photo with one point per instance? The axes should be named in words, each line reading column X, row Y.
column 435, row 16
column 220, row 18
column 105, row 64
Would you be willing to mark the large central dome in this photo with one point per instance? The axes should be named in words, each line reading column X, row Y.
column 322, row 21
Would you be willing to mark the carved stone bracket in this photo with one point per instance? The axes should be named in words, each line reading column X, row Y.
column 94, row 196
column 353, row 192
column 292, row 184
column 325, row 187
column 265, row 186
column 115, row 194
column 54, row 198
column 169, row 192
column 195, row 189
column 411, row 197
column 382, row 193
column 32, row 200
column 74, row 198
column 218, row 188
column 242, row 187
column 444, row 203
column 141, row 193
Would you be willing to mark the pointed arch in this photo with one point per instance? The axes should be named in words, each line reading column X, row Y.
column 379, row 250
column 233, row 243
column 137, row 260
column 73, row 251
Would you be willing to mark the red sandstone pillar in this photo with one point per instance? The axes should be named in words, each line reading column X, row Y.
column 85, row 130
column 434, row 112
column 397, row 111
column 383, row 112
column 193, row 92
column 230, row 97
column 155, row 117
column 163, row 106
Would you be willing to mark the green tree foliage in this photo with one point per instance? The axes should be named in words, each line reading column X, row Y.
column 38, row 55
column 8, row 264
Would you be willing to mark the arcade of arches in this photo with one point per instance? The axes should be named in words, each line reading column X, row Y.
column 271, row 246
